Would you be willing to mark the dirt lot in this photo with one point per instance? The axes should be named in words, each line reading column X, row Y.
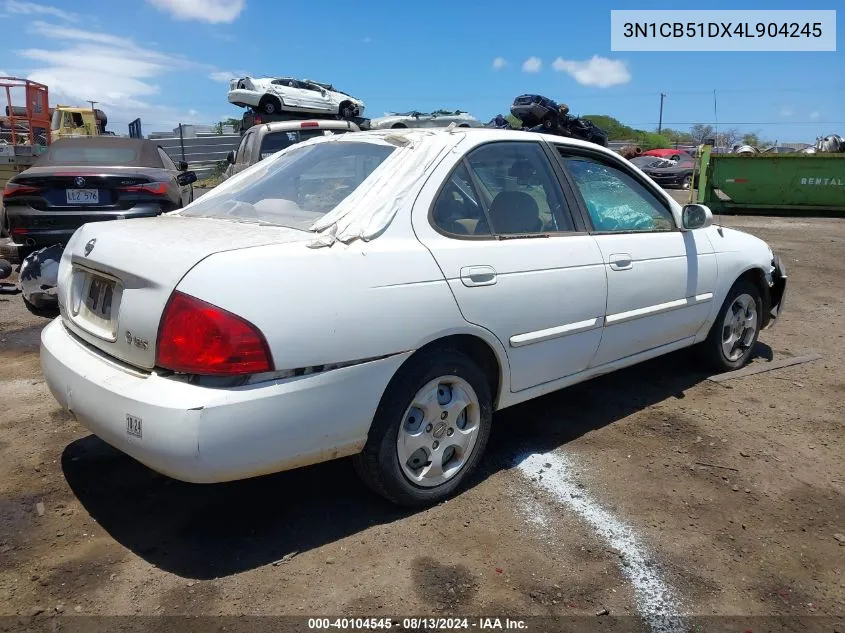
column 656, row 491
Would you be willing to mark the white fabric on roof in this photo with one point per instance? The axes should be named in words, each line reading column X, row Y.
column 368, row 210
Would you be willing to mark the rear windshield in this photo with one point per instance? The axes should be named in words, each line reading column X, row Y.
column 277, row 141
column 81, row 155
column 298, row 188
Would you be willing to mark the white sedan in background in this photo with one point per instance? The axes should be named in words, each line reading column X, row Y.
column 381, row 294
column 440, row 118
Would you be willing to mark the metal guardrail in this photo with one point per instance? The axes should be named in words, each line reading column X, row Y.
column 202, row 153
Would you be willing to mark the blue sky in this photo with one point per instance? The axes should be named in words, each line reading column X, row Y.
column 167, row 61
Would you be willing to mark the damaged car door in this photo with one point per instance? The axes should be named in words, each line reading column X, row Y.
column 499, row 226
column 660, row 279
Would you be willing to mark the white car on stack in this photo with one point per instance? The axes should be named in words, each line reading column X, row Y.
column 380, row 294
column 277, row 95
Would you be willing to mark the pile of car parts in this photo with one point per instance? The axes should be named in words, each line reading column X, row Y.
column 541, row 114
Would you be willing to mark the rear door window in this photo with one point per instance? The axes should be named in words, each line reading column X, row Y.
column 277, row 141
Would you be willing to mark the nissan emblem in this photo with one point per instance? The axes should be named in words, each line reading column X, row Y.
column 90, row 246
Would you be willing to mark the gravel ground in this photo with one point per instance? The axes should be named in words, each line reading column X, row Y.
column 647, row 492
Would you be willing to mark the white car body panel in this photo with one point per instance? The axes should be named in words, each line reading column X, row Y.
column 659, row 289
column 558, row 314
column 292, row 98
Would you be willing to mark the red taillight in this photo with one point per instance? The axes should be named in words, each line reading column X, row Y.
column 257, row 119
column 13, row 189
column 155, row 188
column 196, row 337
column 309, row 124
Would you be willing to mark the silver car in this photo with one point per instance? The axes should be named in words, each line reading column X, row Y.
column 438, row 118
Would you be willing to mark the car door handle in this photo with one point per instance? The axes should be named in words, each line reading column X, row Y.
column 478, row 275
column 621, row 261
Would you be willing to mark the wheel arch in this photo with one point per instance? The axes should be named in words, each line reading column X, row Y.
column 757, row 276
column 752, row 273
column 271, row 97
column 492, row 361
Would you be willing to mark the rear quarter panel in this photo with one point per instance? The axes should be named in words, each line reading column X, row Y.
column 339, row 304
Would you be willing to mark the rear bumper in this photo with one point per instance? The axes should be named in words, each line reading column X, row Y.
column 35, row 228
column 202, row 435
column 243, row 97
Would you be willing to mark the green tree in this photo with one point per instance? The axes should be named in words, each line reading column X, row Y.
column 701, row 132
column 751, row 139
column 677, row 136
column 651, row 140
column 514, row 122
column 616, row 131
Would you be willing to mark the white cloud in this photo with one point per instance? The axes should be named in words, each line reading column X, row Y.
column 596, row 71
column 787, row 110
column 532, row 65
column 118, row 73
column 211, row 11
column 499, row 63
column 224, row 76
column 30, row 8
column 814, row 116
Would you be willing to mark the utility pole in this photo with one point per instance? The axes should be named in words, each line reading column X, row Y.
column 660, row 124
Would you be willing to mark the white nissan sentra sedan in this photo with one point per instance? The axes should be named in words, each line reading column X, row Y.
column 381, row 294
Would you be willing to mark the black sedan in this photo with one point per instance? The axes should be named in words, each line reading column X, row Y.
column 672, row 174
column 89, row 179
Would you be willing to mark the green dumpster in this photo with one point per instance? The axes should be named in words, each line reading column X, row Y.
column 800, row 184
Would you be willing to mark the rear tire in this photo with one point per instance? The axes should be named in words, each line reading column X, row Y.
column 734, row 334
column 270, row 105
column 398, row 126
column 420, row 455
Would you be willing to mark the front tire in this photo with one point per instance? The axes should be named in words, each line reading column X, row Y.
column 734, row 334
column 347, row 110
column 430, row 429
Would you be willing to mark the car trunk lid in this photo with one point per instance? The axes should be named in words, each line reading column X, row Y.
column 116, row 277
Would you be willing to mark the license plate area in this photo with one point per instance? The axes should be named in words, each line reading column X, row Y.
column 82, row 196
column 94, row 302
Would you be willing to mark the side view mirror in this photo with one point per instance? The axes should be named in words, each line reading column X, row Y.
column 230, row 157
column 696, row 216
column 182, row 165
column 186, row 178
